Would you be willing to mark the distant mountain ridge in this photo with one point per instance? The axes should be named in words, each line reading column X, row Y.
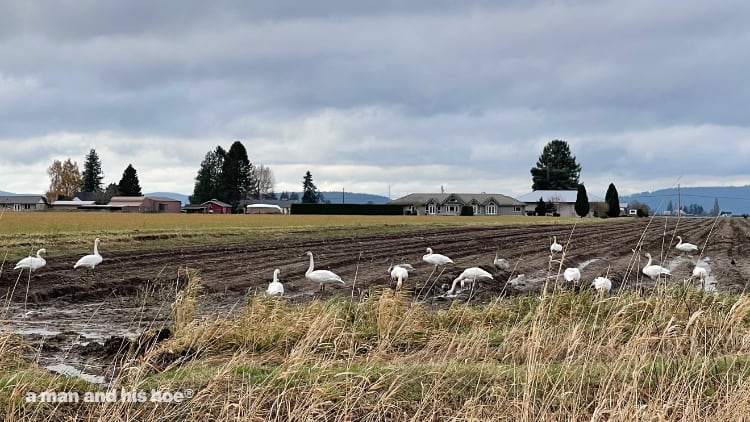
column 337, row 197
column 735, row 199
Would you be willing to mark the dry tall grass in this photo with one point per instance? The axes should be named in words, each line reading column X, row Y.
column 675, row 354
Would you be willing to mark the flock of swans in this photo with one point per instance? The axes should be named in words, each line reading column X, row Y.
column 399, row 273
column 33, row 263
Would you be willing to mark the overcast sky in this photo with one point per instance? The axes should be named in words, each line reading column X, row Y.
column 378, row 96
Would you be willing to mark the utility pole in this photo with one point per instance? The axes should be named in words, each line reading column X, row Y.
column 679, row 206
column 343, row 196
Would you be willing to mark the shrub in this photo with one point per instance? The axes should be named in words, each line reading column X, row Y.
column 467, row 210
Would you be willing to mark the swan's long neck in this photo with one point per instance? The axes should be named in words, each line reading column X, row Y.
column 39, row 254
column 429, row 251
column 312, row 265
column 680, row 241
column 96, row 248
column 649, row 260
column 276, row 276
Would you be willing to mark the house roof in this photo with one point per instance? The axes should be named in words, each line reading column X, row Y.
column 128, row 198
column 217, row 202
column 74, row 202
column 163, row 199
column 558, row 196
column 283, row 203
column 22, row 199
column 264, row 206
column 464, row 198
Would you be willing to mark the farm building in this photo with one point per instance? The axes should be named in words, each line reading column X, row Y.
column 263, row 209
column 71, row 205
column 213, row 206
column 451, row 203
column 144, row 204
column 23, row 202
column 564, row 200
column 284, row 204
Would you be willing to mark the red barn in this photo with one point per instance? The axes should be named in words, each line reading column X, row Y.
column 213, row 206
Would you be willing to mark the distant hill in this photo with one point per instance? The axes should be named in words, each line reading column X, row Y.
column 183, row 198
column 6, row 193
column 337, row 197
column 735, row 199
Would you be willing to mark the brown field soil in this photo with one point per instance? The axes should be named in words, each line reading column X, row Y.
column 69, row 315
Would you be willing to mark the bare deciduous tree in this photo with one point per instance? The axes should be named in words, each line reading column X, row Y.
column 264, row 180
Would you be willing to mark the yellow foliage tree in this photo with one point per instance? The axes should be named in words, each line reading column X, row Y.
column 65, row 179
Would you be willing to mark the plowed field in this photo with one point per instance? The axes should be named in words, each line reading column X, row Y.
column 74, row 313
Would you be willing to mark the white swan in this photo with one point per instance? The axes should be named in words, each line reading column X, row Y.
column 400, row 279
column 321, row 276
column 436, row 259
column 685, row 247
column 501, row 263
column 90, row 261
column 700, row 273
column 469, row 275
column 398, row 274
column 653, row 271
column 275, row 288
column 602, row 284
column 572, row 275
column 32, row 263
column 519, row 280
column 555, row 247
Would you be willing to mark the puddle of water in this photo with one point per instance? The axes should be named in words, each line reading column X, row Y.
column 37, row 331
column 68, row 370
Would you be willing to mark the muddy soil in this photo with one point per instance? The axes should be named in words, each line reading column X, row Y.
column 77, row 320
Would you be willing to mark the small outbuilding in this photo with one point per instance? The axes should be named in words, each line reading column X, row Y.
column 213, row 206
column 284, row 204
column 564, row 201
column 263, row 209
column 144, row 204
column 72, row 205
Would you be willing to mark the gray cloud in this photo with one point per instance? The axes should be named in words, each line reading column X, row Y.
column 371, row 94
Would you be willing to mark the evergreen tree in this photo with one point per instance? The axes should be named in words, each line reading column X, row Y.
column 208, row 181
column 310, row 194
column 92, row 173
column 284, row 196
column 582, row 202
column 103, row 197
column 556, row 168
column 670, row 207
column 129, row 184
column 294, row 196
column 236, row 175
column 541, row 207
column 612, row 198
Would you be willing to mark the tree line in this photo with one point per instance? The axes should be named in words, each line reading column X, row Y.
column 225, row 175
column 230, row 177
column 66, row 180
